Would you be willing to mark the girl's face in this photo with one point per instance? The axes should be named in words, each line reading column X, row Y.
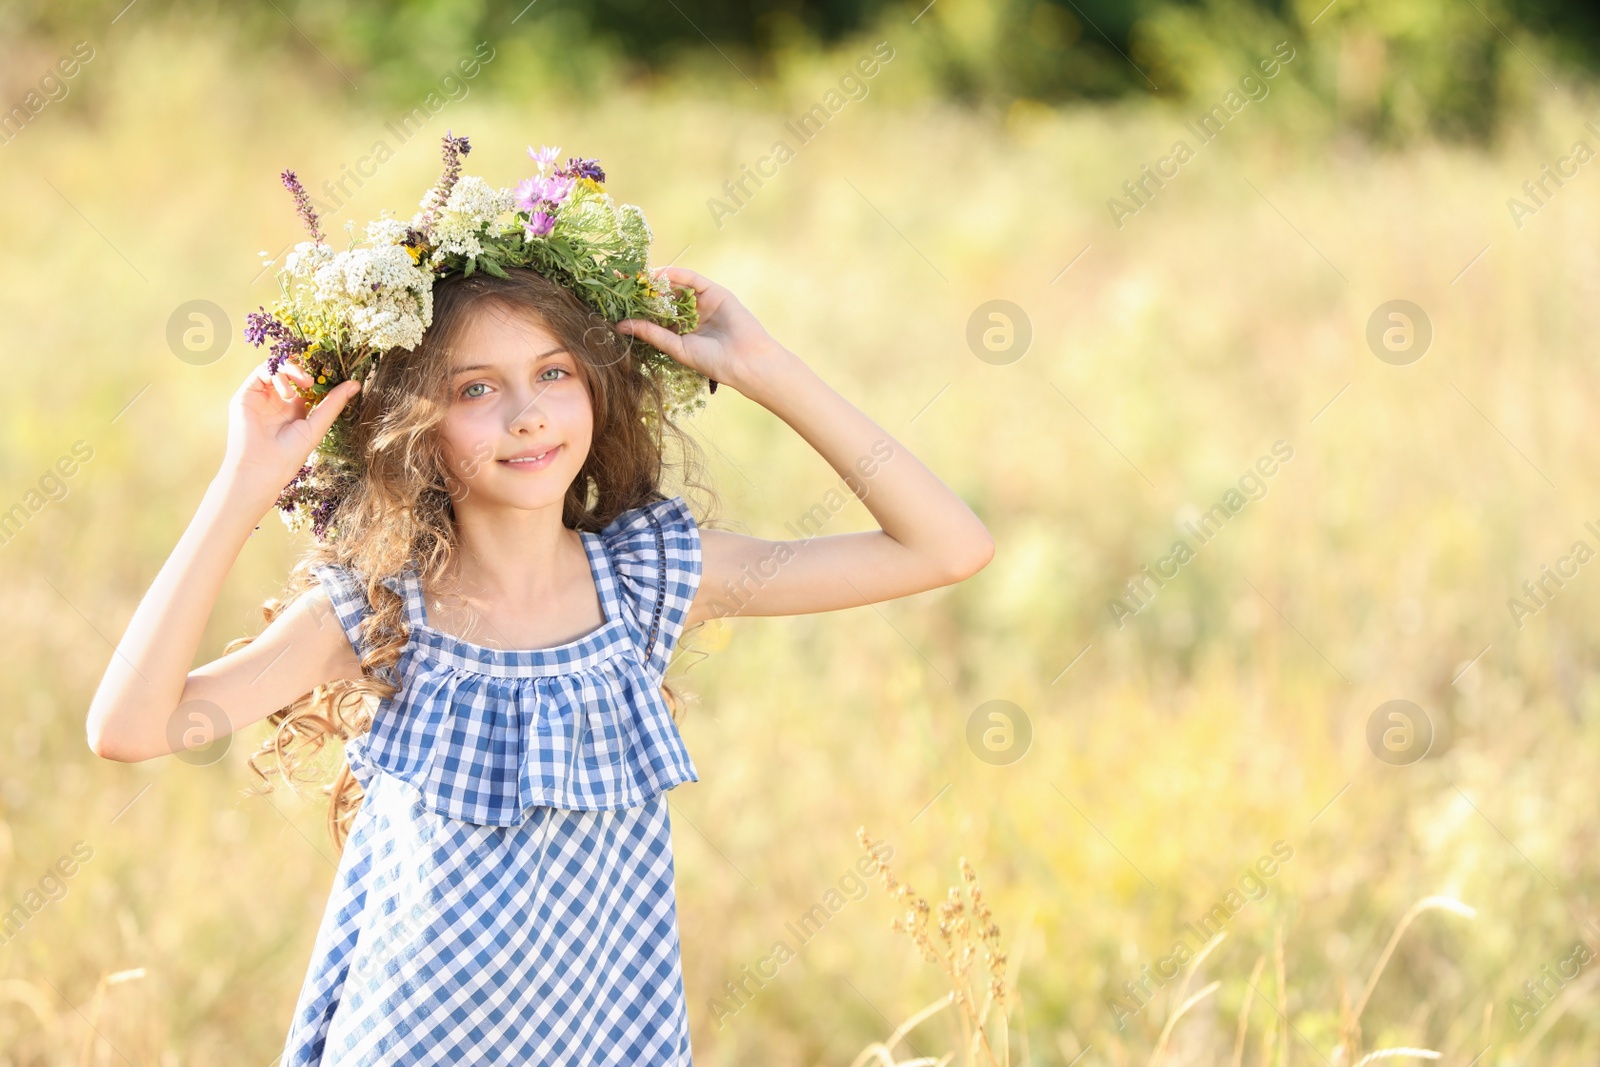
column 516, row 392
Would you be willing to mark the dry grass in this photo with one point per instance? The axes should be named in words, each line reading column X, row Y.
column 1229, row 715
column 967, row 951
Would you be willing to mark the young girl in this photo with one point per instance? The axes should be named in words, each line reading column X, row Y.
column 508, row 585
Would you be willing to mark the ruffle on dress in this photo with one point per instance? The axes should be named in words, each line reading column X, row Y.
column 486, row 734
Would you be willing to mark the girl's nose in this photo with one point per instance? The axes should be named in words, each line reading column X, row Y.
column 529, row 413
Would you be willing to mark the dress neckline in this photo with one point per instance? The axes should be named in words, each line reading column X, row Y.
column 593, row 647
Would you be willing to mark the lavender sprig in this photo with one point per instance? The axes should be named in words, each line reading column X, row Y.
column 302, row 203
column 261, row 325
column 454, row 149
column 289, row 497
column 311, row 498
column 582, row 168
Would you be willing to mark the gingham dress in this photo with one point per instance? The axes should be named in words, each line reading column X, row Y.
column 506, row 892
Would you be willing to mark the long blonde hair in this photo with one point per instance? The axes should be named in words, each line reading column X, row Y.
column 400, row 513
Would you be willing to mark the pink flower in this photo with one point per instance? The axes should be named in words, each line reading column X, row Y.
column 545, row 156
column 540, row 190
column 529, row 193
column 540, row 224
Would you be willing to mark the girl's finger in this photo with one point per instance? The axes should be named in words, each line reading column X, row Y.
column 684, row 276
column 260, row 382
column 652, row 334
column 321, row 417
column 285, row 389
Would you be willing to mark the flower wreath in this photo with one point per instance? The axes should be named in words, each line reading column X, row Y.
column 341, row 311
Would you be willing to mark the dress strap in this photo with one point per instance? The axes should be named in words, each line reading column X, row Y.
column 409, row 585
column 654, row 550
column 661, row 585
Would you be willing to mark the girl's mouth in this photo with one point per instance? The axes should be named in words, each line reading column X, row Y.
column 531, row 463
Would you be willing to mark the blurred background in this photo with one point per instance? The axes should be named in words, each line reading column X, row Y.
column 1259, row 334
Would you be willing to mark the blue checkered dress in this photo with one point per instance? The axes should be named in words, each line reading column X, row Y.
column 506, row 892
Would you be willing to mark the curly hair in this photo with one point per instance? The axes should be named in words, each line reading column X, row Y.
column 399, row 513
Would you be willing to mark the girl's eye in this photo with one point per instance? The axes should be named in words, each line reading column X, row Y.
column 475, row 396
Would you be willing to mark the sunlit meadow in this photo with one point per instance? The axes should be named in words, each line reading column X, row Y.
column 1173, row 747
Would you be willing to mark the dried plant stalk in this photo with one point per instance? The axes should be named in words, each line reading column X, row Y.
column 1244, row 1010
column 967, row 951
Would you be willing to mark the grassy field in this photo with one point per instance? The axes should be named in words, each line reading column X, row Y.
column 1175, row 749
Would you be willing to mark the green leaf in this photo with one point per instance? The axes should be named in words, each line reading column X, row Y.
column 493, row 268
column 469, row 268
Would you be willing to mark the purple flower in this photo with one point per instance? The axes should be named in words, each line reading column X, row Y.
column 319, row 500
column 281, row 352
column 321, row 516
column 287, row 499
column 454, row 149
column 302, row 204
column 540, row 224
column 582, row 168
column 261, row 326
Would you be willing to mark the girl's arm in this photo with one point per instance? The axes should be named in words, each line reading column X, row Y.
column 149, row 702
column 929, row 536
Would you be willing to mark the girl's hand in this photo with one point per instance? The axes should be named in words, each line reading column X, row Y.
column 729, row 345
column 272, row 430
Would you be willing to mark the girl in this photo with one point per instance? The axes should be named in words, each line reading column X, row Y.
column 508, row 585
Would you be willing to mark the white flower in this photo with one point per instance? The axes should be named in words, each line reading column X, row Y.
column 306, row 258
column 450, row 235
column 385, row 327
column 359, row 273
column 474, row 196
column 386, row 231
column 384, row 297
column 474, row 208
column 658, row 304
